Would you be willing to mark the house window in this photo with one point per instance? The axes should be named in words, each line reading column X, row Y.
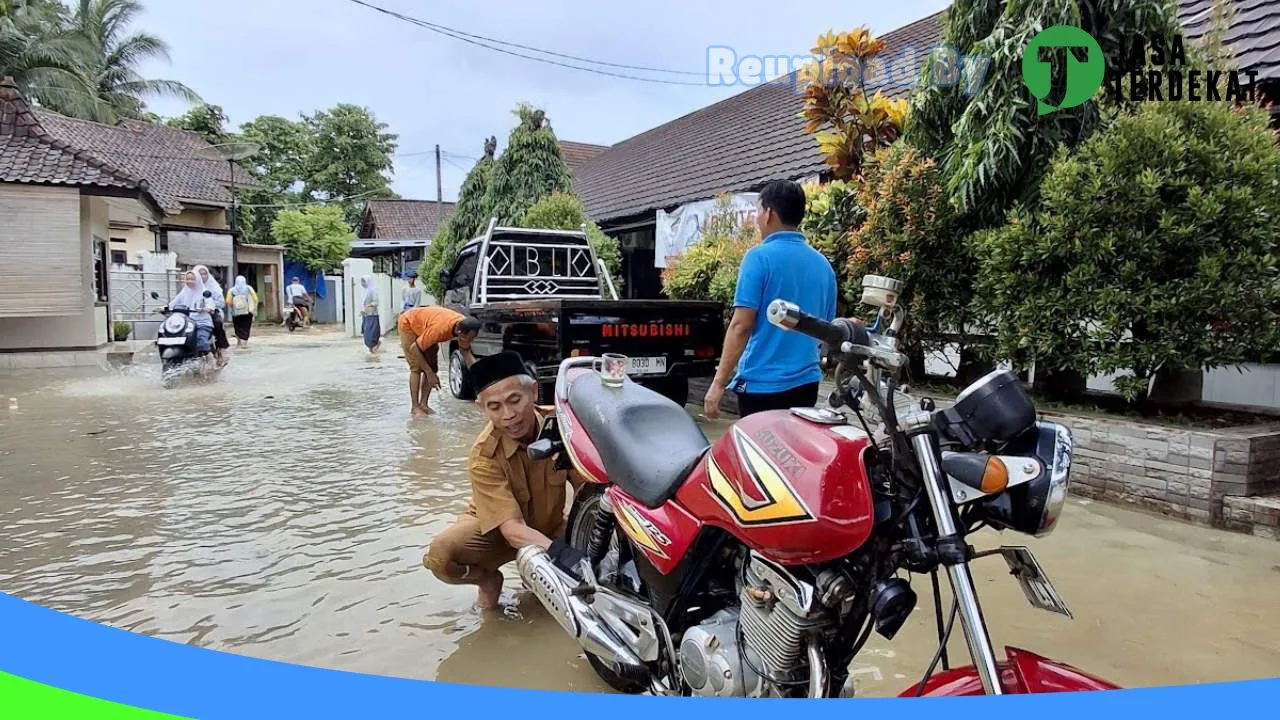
column 99, row 269
column 119, row 257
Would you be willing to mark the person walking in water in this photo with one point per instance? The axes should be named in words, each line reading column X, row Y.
column 412, row 294
column 421, row 332
column 372, row 325
column 243, row 301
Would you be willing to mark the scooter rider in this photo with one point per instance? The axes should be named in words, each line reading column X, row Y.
column 200, row 310
column 296, row 294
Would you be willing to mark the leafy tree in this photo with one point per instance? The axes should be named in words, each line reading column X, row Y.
column 280, row 167
column 440, row 255
column 316, row 235
column 1151, row 249
column 471, row 213
column 529, row 169
column 111, row 56
column 40, row 54
column 848, row 123
column 470, row 218
column 351, row 154
column 209, row 121
column 992, row 146
column 565, row 211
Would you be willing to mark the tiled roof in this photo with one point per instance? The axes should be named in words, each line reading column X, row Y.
column 576, row 153
column 744, row 141
column 736, row 144
column 169, row 159
column 1254, row 36
column 29, row 154
column 403, row 218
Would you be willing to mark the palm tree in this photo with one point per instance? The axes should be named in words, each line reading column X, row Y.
column 110, row 56
column 42, row 56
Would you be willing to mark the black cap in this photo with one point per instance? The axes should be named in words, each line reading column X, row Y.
column 490, row 369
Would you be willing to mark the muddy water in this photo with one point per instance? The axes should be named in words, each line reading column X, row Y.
column 282, row 511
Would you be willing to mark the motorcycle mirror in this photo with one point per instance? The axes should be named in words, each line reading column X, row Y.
column 544, row 448
column 208, row 293
column 155, row 295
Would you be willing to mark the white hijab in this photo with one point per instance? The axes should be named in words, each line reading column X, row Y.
column 191, row 298
column 241, row 287
column 370, row 296
column 211, row 285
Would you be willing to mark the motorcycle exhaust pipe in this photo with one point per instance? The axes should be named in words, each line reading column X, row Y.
column 553, row 589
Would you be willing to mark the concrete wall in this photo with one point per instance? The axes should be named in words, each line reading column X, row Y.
column 136, row 241
column 86, row 329
column 1181, row 472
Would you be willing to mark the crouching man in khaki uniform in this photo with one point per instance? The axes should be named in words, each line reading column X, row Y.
column 515, row 500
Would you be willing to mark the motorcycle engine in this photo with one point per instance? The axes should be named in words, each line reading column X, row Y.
column 776, row 612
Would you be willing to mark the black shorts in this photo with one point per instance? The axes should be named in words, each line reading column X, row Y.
column 803, row 396
column 299, row 302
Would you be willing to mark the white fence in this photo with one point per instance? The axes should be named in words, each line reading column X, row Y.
column 130, row 298
column 1253, row 385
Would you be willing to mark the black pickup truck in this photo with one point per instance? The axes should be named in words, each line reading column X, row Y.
column 542, row 294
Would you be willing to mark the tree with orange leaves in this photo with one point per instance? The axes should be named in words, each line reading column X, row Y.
column 848, row 123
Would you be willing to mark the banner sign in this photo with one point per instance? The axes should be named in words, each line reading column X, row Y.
column 679, row 229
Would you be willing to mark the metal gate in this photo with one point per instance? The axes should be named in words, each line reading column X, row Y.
column 131, row 300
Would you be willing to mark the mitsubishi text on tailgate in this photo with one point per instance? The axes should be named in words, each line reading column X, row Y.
column 545, row 295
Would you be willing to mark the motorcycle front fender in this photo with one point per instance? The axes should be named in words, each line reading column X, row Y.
column 1024, row 673
column 170, row 353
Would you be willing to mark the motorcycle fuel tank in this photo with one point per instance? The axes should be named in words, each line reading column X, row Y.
column 793, row 489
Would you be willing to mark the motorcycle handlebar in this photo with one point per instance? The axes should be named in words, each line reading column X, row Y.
column 842, row 336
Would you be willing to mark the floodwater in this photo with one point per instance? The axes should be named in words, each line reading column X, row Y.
column 282, row 511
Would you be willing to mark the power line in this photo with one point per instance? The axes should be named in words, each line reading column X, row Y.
column 468, row 38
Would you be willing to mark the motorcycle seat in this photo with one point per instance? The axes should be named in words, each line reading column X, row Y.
column 649, row 445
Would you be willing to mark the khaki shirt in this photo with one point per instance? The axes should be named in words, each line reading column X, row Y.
column 507, row 484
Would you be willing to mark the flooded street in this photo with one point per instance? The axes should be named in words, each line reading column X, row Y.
column 282, row 512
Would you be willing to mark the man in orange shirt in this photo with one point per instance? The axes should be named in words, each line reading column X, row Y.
column 421, row 331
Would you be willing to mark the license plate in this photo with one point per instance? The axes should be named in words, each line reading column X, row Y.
column 171, row 341
column 1035, row 584
column 648, row 366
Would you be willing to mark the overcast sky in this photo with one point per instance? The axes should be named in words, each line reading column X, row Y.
column 283, row 57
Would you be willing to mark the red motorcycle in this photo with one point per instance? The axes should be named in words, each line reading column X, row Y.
column 758, row 566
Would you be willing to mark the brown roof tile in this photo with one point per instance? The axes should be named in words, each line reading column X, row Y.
column 736, row 144
column 29, row 154
column 576, row 153
column 403, row 218
column 744, row 141
column 169, row 159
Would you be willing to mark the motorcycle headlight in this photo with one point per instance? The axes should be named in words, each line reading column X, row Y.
column 175, row 324
column 1033, row 507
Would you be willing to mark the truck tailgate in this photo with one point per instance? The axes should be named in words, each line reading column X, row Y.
column 680, row 332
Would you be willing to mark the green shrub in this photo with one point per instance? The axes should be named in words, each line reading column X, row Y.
column 440, row 255
column 708, row 269
column 1151, row 248
column 831, row 213
column 908, row 234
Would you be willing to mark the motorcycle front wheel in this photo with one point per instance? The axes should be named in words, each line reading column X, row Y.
column 582, row 519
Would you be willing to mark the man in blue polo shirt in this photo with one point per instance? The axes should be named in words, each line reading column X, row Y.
column 770, row 368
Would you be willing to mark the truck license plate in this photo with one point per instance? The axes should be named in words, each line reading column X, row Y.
column 1035, row 584
column 647, row 366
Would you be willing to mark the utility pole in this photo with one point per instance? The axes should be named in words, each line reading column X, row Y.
column 439, row 187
